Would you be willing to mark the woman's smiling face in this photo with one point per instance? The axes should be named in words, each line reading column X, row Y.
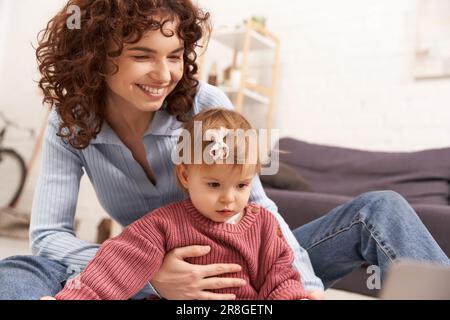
column 148, row 71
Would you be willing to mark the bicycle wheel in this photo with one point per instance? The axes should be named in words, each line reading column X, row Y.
column 12, row 177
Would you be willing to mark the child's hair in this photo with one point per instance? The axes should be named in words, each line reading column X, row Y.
column 73, row 63
column 242, row 140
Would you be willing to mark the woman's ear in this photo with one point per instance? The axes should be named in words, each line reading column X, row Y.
column 182, row 175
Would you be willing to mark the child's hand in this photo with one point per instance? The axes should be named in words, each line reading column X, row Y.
column 47, row 298
column 315, row 295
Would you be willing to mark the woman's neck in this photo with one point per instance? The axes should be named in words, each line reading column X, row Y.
column 126, row 119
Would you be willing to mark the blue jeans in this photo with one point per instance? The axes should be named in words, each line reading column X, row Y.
column 30, row 278
column 374, row 228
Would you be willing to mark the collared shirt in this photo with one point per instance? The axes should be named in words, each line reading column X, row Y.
column 121, row 185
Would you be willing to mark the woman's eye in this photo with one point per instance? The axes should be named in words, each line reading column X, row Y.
column 242, row 185
column 214, row 184
column 175, row 58
column 140, row 57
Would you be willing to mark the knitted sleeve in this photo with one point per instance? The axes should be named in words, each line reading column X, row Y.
column 121, row 267
column 281, row 279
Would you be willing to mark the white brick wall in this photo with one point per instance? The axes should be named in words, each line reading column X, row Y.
column 346, row 72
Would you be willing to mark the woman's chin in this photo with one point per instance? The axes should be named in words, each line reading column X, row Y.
column 151, row 106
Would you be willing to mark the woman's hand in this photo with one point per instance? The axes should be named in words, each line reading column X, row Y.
column 179, row 280
column 47, row 298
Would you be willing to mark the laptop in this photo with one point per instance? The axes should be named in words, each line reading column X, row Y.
column 408, row 280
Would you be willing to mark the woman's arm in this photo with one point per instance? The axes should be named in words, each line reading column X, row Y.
column 52, row 232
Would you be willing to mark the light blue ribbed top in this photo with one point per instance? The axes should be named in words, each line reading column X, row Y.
column 121, row 185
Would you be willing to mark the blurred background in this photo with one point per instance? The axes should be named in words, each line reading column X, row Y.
column 365, row 74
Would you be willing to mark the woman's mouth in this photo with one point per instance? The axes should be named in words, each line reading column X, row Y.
column 152, row 92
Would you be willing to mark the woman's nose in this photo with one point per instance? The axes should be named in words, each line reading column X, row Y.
column 161, row 73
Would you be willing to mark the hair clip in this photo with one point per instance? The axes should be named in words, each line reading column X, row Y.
column 220, row 149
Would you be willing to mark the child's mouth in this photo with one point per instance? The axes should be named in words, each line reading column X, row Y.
column 226, row 213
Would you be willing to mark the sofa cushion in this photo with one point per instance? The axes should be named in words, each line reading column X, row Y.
column 421, row 177
column 287, row 178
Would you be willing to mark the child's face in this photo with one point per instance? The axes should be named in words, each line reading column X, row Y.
column 149, row 70
column 217, row 191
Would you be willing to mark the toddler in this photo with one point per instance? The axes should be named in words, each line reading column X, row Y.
column 215, row 166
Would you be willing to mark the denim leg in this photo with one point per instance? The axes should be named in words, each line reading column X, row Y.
column 374, row 228
column 30, row 278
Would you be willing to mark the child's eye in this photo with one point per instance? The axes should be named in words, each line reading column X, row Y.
column 175, row 58
column 242, row 185
column 214, row 184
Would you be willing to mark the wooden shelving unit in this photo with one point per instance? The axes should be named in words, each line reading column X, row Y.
column 244, row 40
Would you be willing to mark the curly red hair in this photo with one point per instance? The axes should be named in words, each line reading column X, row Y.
column 73, row 63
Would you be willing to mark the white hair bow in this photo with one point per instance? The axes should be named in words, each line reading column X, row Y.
column 220, row 149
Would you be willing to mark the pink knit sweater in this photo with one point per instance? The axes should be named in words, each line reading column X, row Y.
column 124, row 264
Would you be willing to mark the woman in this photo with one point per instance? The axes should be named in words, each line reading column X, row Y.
column 121, row 87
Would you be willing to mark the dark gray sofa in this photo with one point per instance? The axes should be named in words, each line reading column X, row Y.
column 336, row 175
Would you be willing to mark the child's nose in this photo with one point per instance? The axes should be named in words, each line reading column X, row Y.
column 227, row 197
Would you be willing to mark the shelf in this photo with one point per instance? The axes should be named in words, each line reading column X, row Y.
column 248, row 89
column 249, row 94
column 235, row 39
